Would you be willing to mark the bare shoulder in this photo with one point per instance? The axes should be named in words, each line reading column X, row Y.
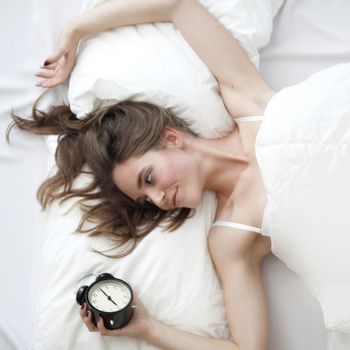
column 228, row 245
column 228, row 242
column 245, row 206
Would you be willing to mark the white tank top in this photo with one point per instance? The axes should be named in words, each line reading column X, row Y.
column 264, row 230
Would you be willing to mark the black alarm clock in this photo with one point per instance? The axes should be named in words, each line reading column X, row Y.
column 109, row 298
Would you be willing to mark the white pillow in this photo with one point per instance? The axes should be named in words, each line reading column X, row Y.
column 172, row 272
column 154, row 63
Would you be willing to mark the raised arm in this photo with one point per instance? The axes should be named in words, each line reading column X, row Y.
column 243, row 90
column 215, row 45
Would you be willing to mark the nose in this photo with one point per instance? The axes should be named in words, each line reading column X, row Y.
column 157, row 197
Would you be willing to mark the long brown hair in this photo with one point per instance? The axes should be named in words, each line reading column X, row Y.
column 94, row 145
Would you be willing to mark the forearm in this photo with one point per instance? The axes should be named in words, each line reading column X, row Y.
column 169, row 338
column 246, row 302
column 117, row 13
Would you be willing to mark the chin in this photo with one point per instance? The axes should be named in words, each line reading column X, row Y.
column 196, row 200
column 190, row 199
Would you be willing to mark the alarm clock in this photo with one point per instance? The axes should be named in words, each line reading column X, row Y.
column 109, row 298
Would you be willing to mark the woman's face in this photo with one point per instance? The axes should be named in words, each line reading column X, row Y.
column 169, row 178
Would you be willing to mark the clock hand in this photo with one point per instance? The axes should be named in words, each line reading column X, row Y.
column 104, row 293
column 113, row 301
column 108, row 297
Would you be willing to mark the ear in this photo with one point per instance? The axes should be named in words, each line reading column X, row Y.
column 172, row 137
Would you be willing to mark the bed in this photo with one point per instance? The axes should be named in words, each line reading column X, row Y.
column 307, row 37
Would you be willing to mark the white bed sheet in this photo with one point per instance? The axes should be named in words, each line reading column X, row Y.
column 308, row 36
column 28, row 30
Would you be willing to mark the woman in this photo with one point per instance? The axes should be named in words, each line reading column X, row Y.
column 142, row 183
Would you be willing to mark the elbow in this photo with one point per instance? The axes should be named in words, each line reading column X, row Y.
column 245, row 347
column 179, row 7
column 236, row 346
column 174, row 5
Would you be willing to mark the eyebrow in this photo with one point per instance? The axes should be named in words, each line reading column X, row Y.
column 139, row 182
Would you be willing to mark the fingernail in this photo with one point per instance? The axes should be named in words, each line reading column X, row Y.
column 46, row 63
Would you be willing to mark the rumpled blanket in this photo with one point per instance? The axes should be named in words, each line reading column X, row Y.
column 303, row 149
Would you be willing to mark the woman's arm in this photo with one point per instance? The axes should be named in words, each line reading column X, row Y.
column 169, row 338
column 237, row 256
column 243, row 89
column 143, row 326
column 246, row 304
column 215, row 45
column 238, row 263
column 246, row 309
column 110, row 14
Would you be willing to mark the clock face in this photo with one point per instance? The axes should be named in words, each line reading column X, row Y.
column 109, row 296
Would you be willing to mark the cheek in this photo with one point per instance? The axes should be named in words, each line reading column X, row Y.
column 170, row 170
column 181, row 168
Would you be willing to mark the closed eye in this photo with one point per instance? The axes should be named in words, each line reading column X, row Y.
column 148, row 181
column 148, row 178
column 147, row 201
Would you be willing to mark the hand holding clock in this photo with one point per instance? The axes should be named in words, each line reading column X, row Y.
column 137, row 327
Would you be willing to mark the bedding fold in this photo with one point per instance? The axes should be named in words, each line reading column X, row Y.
column 303, row 150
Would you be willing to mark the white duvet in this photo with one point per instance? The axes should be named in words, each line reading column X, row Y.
column 303, row 149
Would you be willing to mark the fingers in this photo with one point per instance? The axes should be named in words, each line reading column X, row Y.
column 48, row 83
column 49, row 75
column 56, row 73
column 46, row 75
column 51, row 66
column 87, row 318
column 104, row 331
column 101, row 327
column 52, row 79
column 54, row 57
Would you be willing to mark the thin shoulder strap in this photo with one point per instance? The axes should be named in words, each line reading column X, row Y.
column 248, row 119
column 237, row 225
